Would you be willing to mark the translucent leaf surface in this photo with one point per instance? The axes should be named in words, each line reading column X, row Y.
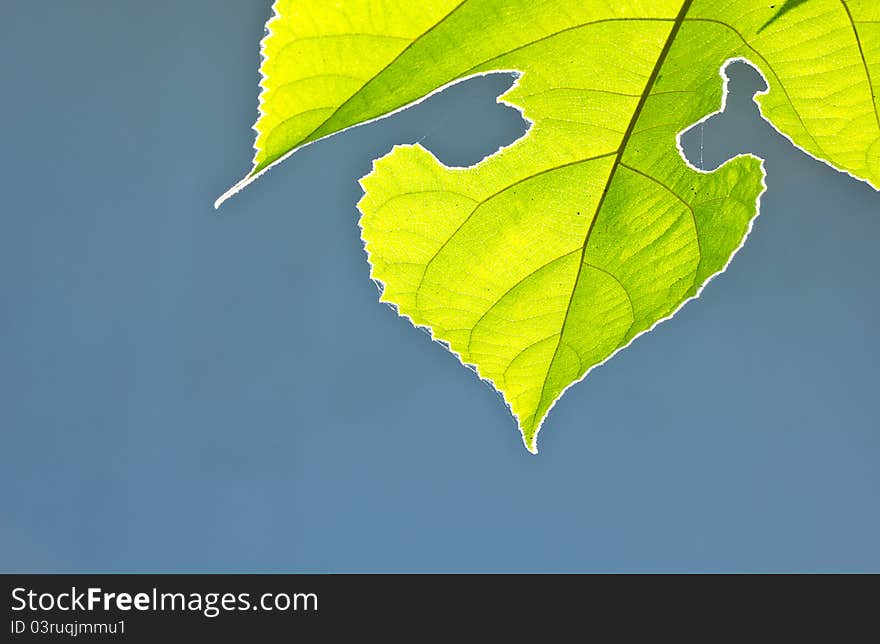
column 543, row 260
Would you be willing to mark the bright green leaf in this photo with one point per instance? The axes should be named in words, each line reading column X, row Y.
column 543, row 260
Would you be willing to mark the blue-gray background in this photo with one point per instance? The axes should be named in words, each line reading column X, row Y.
column 187, row 391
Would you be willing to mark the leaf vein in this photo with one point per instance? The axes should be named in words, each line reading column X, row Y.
column 864, row 62
column 508, row 291
column 486, row 200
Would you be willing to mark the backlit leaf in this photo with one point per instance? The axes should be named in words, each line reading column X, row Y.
column 543, row 260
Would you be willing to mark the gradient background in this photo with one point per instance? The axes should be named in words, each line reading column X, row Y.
column 187, row 391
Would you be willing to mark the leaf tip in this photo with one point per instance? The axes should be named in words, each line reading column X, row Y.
column 238, row 187
column 530, row 438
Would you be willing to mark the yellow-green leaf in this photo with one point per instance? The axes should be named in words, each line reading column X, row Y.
column 543, row 260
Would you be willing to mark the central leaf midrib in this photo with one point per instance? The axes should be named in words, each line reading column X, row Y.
column 652, row 79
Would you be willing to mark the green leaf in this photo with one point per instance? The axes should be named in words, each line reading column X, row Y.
column 543, row 260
